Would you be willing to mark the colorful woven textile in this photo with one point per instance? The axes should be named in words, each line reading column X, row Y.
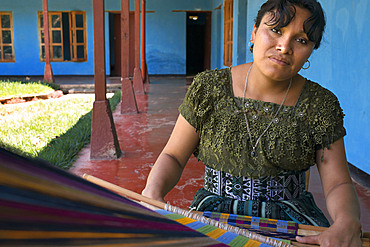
column 268, row 188
column 41, row 205
column 268, row 227
column 223, row 236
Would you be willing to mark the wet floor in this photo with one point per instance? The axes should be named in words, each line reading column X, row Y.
column 142, row 137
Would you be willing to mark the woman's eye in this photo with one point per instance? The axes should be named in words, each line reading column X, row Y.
column 275, row 30
column 302, row 41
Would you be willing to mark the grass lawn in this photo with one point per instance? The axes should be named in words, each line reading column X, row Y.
column 10, row 88
column 54, row 130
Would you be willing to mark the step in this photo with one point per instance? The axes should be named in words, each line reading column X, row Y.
column 87, row 88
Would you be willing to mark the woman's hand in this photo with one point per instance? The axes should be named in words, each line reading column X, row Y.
column 341, row 200
column 340, row 234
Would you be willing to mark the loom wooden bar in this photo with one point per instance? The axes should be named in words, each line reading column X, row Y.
column 124, row 192
column 48, row 73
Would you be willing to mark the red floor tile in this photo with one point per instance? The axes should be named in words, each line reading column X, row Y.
column 142, row 137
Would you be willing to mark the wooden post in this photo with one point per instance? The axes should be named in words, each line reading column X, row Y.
column 48, row 73
column 128, row 99
column 104, row 141
column 138, row 79
column 144, row 69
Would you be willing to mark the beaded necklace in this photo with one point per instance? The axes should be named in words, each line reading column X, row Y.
column 274, row 119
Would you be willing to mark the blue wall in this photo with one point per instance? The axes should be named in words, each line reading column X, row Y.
column 25, row 31
column 166, row 33
column 217, row 38
column 240, row 34
column 342, row 65
column 166, row 36
column 26, row 41
column 217, row 34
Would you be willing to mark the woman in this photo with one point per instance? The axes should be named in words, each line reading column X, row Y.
column 258, row 127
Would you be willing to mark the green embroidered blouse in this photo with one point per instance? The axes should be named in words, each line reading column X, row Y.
column 288, row 146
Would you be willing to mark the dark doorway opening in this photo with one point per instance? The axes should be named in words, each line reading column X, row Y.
column 115, row 43
column 198, row 42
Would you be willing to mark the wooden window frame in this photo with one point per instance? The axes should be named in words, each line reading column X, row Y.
column 72, row 36
column 228, row 32
column 2, row 45
column 56, row 29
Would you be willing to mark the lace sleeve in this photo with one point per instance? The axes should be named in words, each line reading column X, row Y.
column 198, row 102
column 328, row 121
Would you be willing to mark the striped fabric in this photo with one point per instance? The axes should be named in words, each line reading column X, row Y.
column 41, row 205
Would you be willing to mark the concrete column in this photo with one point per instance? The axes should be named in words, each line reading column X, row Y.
column 138, row 79
column 104, row 141
column 128, row 99
column 48, row 73
column 144, row 69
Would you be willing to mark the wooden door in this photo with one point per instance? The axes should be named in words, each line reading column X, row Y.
column 116, row 69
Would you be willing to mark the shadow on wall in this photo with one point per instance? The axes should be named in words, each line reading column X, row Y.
column 160, row 62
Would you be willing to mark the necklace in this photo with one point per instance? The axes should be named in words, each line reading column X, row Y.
column 253, row 153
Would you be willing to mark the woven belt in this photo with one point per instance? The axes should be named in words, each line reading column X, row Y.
column 269, row 188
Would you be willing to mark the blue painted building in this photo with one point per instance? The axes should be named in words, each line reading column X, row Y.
column 341, row 64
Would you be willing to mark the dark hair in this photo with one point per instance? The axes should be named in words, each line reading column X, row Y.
column 283, row 11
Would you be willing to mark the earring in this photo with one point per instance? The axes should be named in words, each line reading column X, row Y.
column 309, row 64
column 251, row 45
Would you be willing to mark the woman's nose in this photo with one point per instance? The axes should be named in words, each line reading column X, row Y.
column 284, row 46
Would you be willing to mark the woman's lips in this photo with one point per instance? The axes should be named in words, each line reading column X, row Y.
column 279, row 60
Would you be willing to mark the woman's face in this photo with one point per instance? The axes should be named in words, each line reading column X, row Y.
column 280, row 54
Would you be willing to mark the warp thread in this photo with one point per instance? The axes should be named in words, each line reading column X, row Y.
column 226, row 227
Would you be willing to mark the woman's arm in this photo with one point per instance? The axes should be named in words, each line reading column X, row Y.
column 341, row 199
column 168, row 168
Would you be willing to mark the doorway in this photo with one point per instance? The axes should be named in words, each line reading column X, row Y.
column 115, row 43
column 198, row 42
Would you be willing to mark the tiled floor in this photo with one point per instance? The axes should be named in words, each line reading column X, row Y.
column 142, row 137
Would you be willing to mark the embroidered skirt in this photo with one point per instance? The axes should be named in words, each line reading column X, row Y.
column 281, row 197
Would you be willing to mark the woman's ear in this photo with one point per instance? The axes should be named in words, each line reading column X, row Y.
column 254, row 31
